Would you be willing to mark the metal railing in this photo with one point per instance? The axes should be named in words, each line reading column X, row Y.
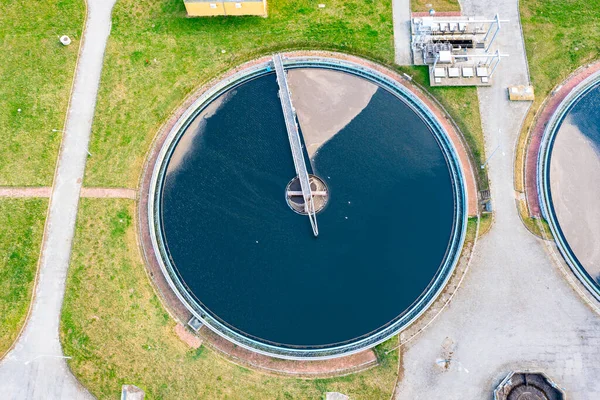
column 291, row 125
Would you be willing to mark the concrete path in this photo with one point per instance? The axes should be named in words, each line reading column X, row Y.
column 544, row 116
column 16, row 192
column 92, row 192
column 514, row 310
column 108, row 193
column 34, row 369
column 401, row 16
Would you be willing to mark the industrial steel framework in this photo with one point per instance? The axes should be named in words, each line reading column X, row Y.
column 295, row 143
column 428, row 39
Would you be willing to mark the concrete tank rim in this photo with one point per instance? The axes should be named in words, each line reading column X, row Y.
column 414, row 311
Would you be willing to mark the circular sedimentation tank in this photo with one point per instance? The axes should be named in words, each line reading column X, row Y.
column 569, row 173
column 227, row 224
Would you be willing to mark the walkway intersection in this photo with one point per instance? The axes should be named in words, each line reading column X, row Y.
column 35, row 368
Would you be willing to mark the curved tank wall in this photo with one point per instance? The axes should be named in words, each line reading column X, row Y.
column 244, row 263
column 569, row 175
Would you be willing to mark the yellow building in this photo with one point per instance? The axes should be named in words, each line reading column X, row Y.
column 203, row 8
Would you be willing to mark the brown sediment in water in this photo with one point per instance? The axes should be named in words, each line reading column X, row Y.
column 575, row 186
column 193, row 130
column 325, row 102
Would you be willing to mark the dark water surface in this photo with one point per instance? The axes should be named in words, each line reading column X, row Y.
column 586, row 116
column 575, row 181
column 254, row 263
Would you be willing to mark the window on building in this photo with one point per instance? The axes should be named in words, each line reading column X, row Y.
column 238, row 5
column 213, row 5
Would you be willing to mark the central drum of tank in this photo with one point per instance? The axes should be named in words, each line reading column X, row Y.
column 391, row 219
column 319, row 191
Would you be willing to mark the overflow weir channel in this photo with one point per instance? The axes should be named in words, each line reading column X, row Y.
column 295, row 144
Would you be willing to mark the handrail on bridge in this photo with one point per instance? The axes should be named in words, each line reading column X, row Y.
column 295, row 144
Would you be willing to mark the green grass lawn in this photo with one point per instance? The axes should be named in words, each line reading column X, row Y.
column 117, row 332
column 36, row 73
column 156, row 56
column 22, row 224
column 560, row 36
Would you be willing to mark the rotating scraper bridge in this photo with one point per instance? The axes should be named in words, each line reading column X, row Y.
column 295, row 143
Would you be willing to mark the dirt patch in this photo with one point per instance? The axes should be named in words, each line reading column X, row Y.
column 318, row 368
column 326, row 101
column 187, row 337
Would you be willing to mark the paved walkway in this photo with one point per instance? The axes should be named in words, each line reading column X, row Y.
column 401, row 17
column 514, row 309
column 93, row 192
column 34, row 369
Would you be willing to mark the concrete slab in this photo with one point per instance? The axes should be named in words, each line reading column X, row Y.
column 401, row 16
column 336, row 396
column 467, row 72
